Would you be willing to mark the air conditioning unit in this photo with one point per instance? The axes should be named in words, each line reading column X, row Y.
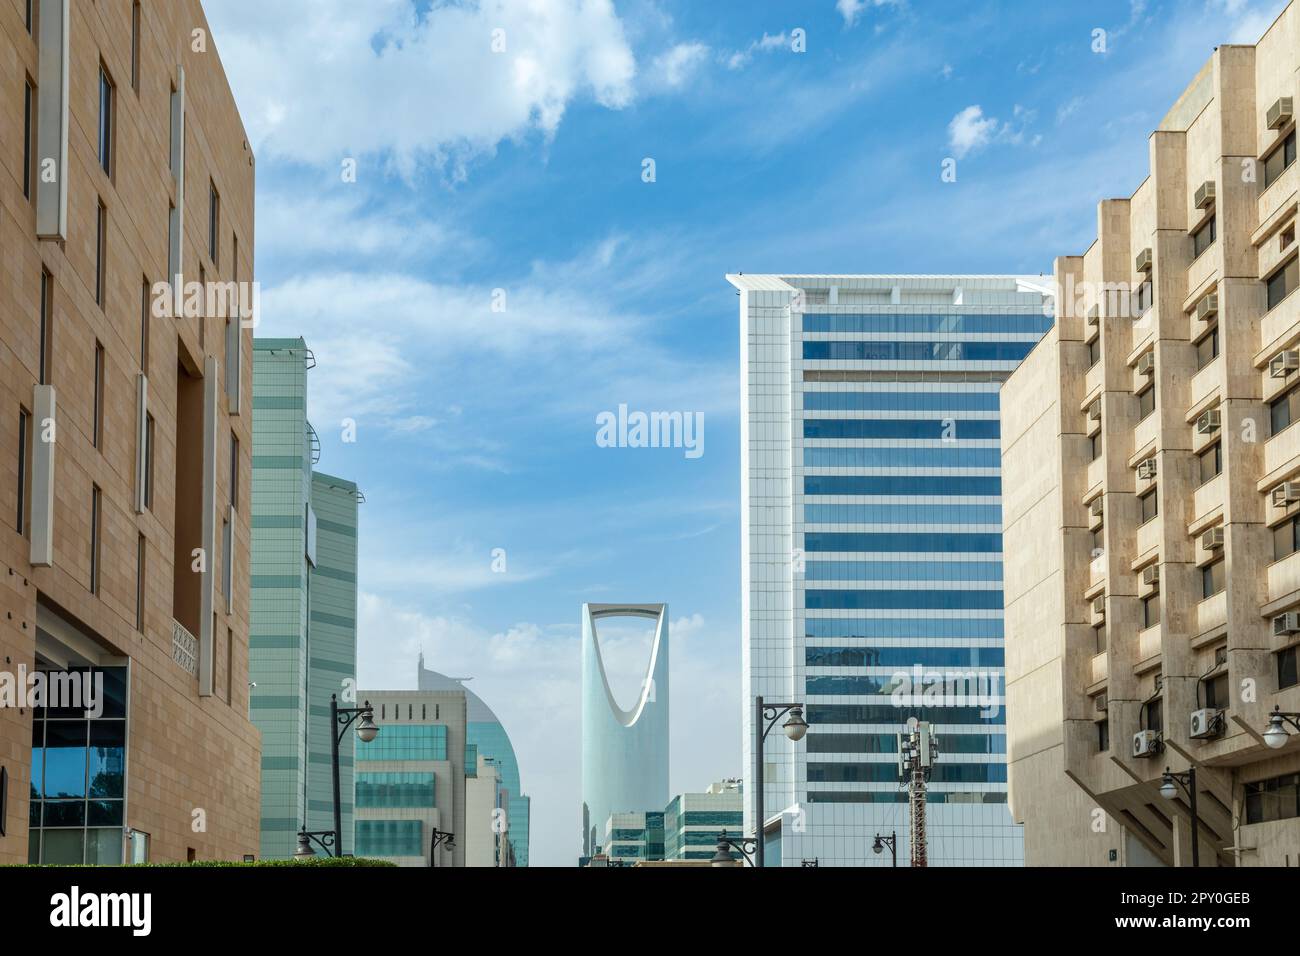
column 1100, row 703
column 1212, row 539
column 1151, row 575
column 1208, row 306
column 1094, row 410
column 1209, row 421
column 1147, row 363
column 1280, row 113
column 1099, row 606
column 1094, row 315
column 1206, row 723
column 1144, row 261
column 1288, row 623
column 1221, row 655
column 1147, row 469
column 1205, row 195
column 1096, row 506
column 1286, row 493
column 1146, row 743
column 1284, row 363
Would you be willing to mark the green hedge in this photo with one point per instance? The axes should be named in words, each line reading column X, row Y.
column 345, row 861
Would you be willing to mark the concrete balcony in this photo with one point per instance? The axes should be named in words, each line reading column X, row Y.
column 1148, row 536
column 1207, row 497
column 1148, row 643
column 1099, row 669
column 1206, row 381
column 1284, row 576
column 1212, row 612
column 1281, row 448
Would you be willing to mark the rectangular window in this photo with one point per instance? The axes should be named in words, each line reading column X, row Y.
column 214, row 224
column 1150, row 611
column 1099, row 638
column 1146, row 402
column 1150, row 505
column 1284, row 410
column 141, row 550
column 1094, row 351
column 145, row 301
column 105, row 121
column 1286, row 538
column 1216, row 692
column 1287, row 673
column 24, row 468
column 227, row 560
column 1207, row 348
column 47, row 327
column 29, row 131
column 1282, row 283
column 148, row 461
column 1278, row 161
column 1204, row 237
column 97, row 421
column 1277, row 798
column 1098, row 540
column 234, row 471
column 101, row 250
column 135, row 46
column 1211, row 461
column 1212, row 579
column 1094, row 446
column 29, row 15
column 1103, row 735
column 96, row 505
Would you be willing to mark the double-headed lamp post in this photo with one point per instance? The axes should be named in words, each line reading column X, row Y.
column 890, row 841
column 1169, row 791
column 743, row 845
column 341, row 718
column 1276, row 734
column 765, row 717
column 443, row 838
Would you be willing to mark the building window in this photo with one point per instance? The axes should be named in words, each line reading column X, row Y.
column 105, row 121
column 227, row 560
column 1150, row 611
column 1286, row 538
column 1216, row 692
column 141, row 551
column 148, row 461
column 47, row 327
column 135, row 46
column 1094, row 446
column 1278, row 161
column 144, row 324
column 1211, row 461
column 1099, row 638
column 1207, row 348
column 1094, row 351
column 1150, row 506
column 1098, row 541
column 214, row 223
column 234, row 471
column 1146, row 401
column 29, row 15
column 1287, row 673
column 96, row 518
column 1282, row 283
column 101, row 251
column 24, row 468
column 97, row 421
column 1277, row 798
column 1212, row 579
column 1204, row 237
column 29, row 130
column 1103, row 735
column 1284, row 410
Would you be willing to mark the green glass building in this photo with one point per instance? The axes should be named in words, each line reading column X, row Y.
column 303, row 635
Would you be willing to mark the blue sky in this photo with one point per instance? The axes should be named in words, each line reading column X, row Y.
column 517, row 177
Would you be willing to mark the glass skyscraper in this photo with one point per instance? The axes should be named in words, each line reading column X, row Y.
column 871, row 553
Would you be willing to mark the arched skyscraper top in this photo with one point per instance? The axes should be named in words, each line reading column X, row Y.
column 624, row 752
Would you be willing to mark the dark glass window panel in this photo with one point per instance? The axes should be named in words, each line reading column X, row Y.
column 65, row 813
column 104, row 813
column 1287, row 673
column 1207, row 349
column 1146, row 402
column 65, row 758
column 1211, row 462
column 114, row 691
column 34, row 814
column 1278, row 161
column 1204, row 237
column 63, row 847
column 1094, row 351
column 1212, row 579
column 1103, row 735
column 1150, row 506
column 1282, row 283
column 1284, row 539
column 1150, row 611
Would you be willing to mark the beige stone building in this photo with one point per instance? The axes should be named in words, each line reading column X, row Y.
column 1152, row 498
column 124, row 435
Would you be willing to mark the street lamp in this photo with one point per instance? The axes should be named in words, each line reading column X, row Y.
column 1169, row 791
column 722, row 855
column 326, row 839
column 341, row 718
column 890, row 841
column 1276, row 735
column 441, row 837
column 765, row 718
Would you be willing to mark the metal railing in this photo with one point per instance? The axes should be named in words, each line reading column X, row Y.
column 185, row 648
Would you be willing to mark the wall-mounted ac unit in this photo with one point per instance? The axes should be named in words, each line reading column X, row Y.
column 1147, row 469
column 1146, row 743
column 1099, row 702
column 1147, row 363
column 1099, row 606
column 1209, row 421
column 1221, row 655
column 1094, row 411
column 1206, row 722
column 1094, row 315
column 1144, row 260
column 1212, row 539
column 1204, row 198
column 1288, row 623
column 1280, row 113
column 1286, row 493
column 1151, row 575
column 1096, row 506
column 1208, row 306
column 1284, row 363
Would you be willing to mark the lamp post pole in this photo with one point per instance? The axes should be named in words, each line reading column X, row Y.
column 341, row 718
column 1188, row 782
column 890, row 841
column 765, row 717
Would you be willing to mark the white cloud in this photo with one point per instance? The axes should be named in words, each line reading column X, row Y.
column 320, row 80
column 678, row 65
column 851, row 10
column 765, row 44
column 970, row 130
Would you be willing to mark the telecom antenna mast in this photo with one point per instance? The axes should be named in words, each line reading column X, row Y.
column 917, row 749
